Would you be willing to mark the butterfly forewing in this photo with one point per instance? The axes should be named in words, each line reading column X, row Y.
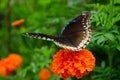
column 40, row 36
column 77, row 24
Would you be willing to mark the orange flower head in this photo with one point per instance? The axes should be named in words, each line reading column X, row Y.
column 3, row 71
column 16, row 59
column 18, row 23
column 72, row 63
column 44, row 74
column 10, row 64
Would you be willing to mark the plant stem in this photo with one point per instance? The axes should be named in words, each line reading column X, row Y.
column 7, row 20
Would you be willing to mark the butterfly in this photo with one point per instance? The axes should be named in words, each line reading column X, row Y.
column 74, row 36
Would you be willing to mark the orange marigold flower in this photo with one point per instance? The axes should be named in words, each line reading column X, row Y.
column 16, row 59
column 72, row 63
column 44, row 74
column 18, row 23
column 10, row 64
column 3, row 71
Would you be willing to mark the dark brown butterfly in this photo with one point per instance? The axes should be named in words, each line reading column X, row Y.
column 74, row 36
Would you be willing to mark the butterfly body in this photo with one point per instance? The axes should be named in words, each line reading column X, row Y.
column 74, row 36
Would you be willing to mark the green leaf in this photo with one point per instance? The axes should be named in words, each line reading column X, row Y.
column 101, row 40
column 115, row 31
column 109, row 36
column 95, row 34
column 94, row 39
column 118, row 47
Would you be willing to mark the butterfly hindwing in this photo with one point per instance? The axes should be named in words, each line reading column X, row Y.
column 75, row 41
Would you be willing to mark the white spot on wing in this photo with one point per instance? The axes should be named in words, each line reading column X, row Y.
column 83, row 23
column 84, row 26
column 83, row 14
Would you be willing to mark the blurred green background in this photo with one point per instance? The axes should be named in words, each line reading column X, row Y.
column 49, row 17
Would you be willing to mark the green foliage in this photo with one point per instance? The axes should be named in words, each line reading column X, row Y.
column 49, row 17
column 105, row 41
